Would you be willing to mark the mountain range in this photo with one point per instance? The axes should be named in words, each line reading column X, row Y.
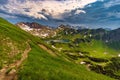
column 40, row 30
column 64, row 53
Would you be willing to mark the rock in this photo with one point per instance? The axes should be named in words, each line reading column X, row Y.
column 12, row 71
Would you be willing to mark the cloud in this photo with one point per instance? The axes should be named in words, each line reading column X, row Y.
column 112, row 3
column 79, row 11
column 3, row 2
column 44, row 9
column 51, row 12
column 116, row 15
column 8, row 16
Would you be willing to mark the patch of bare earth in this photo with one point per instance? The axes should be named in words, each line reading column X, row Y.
column 48, row 50
column 51, row 52
column 10, row 72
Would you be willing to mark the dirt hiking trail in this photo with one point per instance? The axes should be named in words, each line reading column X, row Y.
column 10, row 72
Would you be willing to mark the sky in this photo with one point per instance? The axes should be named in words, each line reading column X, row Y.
column 87, row 13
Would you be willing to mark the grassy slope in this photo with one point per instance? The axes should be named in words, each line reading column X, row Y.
column 42, row 66
column 12, row 43
column 96, row 48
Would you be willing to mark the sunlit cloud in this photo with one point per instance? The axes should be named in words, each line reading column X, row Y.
column 42, row 9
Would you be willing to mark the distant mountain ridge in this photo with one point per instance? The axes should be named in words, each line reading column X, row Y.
column 37, row 29
column 45, row 31
column 32, row 25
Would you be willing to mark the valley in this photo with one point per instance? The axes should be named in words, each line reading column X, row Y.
column 54, row 58
column 59, row 39
column 93, row 48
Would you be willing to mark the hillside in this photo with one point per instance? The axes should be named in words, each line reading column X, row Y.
column 37, row 29
column 39, row 65
column 90, row 47
column 94, row 48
